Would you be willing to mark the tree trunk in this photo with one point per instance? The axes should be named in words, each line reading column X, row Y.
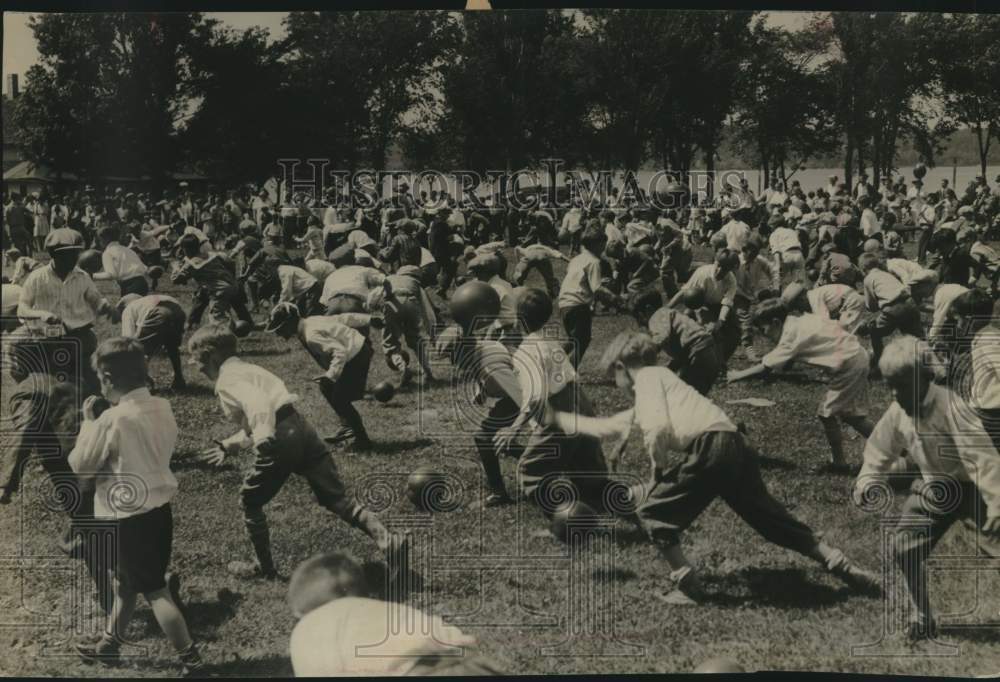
column 710, row 169
column 849, row 160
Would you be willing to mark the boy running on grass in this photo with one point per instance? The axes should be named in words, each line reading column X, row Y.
column 718, row 461
column 946, row 440
column 130, row 445
column 340, row 345
column 825, row 344
column 283, row 443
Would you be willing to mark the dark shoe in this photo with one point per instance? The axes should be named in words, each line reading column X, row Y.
column 6, row 495
column 688, row 590
column 191, row 663
column 854, row 577
column 344, row 434
column 106, row 651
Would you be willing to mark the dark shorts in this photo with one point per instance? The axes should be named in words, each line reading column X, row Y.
column 345, row 303
column 143, row 549
column 354, row 377
column 718, row 464
column 163, row 327
column 151, row 258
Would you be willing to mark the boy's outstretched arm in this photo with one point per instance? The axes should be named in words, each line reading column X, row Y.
column 757, row 370
column 618, row 425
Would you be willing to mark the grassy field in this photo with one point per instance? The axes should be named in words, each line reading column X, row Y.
column 492, row 572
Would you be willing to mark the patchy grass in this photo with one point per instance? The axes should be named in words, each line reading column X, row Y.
column 491, row 571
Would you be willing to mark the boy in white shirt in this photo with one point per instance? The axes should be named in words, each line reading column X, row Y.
column 129, row 447
column 283, row 442
column 944, row 438
column 120, row 263
column 341, row 632
column 718, row 462
column 978, row 318
column 887, row 296
column 714, row 287
column 825, row 344
column 156, row 321
column 582, row 286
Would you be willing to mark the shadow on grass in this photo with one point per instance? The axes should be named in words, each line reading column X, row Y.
column 392, row 447
column 777, row 587
column 185, row 461
column 264, row 666
column 775, row 463
column 971, row 633
column 203, row 617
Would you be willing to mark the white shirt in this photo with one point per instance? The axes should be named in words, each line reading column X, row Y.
column 294, row 282
column 777, row 198
column 128, row 448
column 950, row 441
column 543, row 368
column 784, row 239
column 319, row 268
column 331, row 341
column 737, row 234
column 813, row 340
column 356, row 636
column 121, row 262
column 11, row 297
column 508, row 302
column 136, row 312
column 582, row 280
column 671, row 414
column 715, row 292
column 906, row 271
column 75, row 299
column 870, row 223
column 986, row 369
column 830, row 299
column 944, row 296
column 357, row 280
column 250, row 396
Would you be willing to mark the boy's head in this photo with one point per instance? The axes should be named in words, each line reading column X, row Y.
column 211, row 346
column 109, row 235
column 643, row 304
column 534, row 308
column 770, row 315
column 626, row 354
column 975, row 309
column 726, row 261
column 120, row 364
column 751, row 250
column 905, row 369
column 321, row 579
column 869, row 261
column 190, row 245
column 284, row 320
column 594, row 239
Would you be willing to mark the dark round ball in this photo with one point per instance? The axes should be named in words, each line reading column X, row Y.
column 242, row 328
column 474, row 299
column 155, row 272
column 423, row 488
column 384, row 391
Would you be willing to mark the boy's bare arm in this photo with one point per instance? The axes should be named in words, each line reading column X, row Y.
column 618, row 425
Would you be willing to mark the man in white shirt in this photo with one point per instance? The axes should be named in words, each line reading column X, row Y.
column 62, row 294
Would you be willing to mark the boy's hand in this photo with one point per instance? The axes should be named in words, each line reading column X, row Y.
column 504, row 438
column 213, row 456
column 992, row 526
column 93, row 407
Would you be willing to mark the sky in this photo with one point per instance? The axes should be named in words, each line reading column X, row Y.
column 20, row 52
